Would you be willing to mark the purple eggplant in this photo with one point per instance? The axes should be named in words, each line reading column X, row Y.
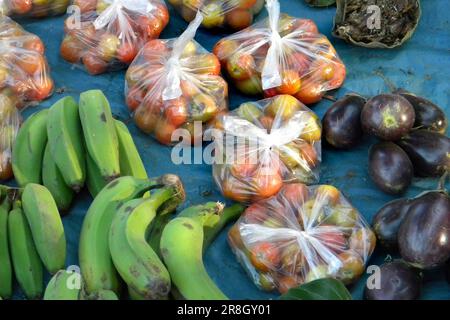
column 387, row 221
column 424, row 234
column 398, row 281
column 429, row 152
column 390, row 168
column 342, row 122
column 387, row 116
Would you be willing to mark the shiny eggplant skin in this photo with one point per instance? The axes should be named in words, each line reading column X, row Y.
column 390, row 168
column 342, row 122
column 429, row 152
column 424, row 235
column 387, row 116
column 387, row 221
column 398, row 281
column 428, row 115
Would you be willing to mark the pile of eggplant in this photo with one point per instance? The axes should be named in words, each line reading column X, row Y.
column 413, row 143
column 411, row 130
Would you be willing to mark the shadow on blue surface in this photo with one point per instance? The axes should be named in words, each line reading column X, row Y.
column 422, row 66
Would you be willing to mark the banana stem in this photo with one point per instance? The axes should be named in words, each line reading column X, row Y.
column 229, row 214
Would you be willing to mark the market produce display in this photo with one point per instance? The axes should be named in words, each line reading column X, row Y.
column 31, row 226
column 229, row 14
column 183, row 86
column 281, row 55
column 67, row 146
column 302, row 234
column 24, row 72
column 264, row 144
column 110, row 33
column 33, row 8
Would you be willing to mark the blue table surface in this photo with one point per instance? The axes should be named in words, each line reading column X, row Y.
column 422, row 66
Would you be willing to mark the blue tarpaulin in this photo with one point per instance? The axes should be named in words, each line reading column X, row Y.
column 422, row 66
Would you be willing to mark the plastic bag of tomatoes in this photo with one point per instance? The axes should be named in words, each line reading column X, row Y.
column 265, row 144
column 24, row 72
column 175, row 84
column 229, row 14
column 281, row 55
column 108, row 34
column 10, row 120
column 33, row 8
column 302, row 234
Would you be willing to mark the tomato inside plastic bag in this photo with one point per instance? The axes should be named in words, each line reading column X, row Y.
column 229, row 14
column 174, row 84
column 265, row 144
column 300, row 235
column 281, row 55
column 106, row 35
column 33, row 8
column 24, row 72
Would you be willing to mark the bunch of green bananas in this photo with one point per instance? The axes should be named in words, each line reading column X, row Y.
column 31, row 238
column 68, row 145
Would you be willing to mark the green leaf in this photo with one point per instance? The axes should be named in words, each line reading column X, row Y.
column 320, row 3
column 321, row 289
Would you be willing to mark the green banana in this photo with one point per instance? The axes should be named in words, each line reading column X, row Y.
column 130, row 160
column 94, row 180
column 136, row 262
column 5, row 259
column 94, row 255
column 28, row 149
column 100, row 133
column 54, row 182
column 61, row 286
column 101, row 295
column 65, row 139
column 46, row 226
column 27, row 265
column 181, row 248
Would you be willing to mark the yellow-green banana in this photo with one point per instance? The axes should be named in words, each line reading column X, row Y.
column 63, row 287
column 65, row 139
column 54, row 182
column 28, row 149
column 130, row 160
column 46, row 226
column 181, row 248
column 94, row 255
column 5, row 259
column 27, row 265
column 94, row 180
column 100, row 133
column 137, row 263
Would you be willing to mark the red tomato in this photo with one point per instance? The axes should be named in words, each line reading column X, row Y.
column 269, row 93
column 299, row 62
column 334, row 239
column 224, row 49
column 163, row 132
column 176, row 111
column 267, row 185
column 310, row 93
column 243, row 170
column 207, row 64
column 154, row 48
column 338, row 76
column 309, row 154
column 265, row 256
column 93, row 63
column 162, row 13
column 236, row 190
column 21, row 6
column 306, row 25
column 256, row 213
column 126, row 52
column 134, row 98
column 42, row 87
column 241, row 66
column 295, row 193
column 86, row 5
column 290, row 82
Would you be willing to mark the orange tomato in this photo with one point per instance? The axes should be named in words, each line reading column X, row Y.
column 146, row 120
column 239, row 19
column 71, row 49
column 163, row 132
column 31, row 62
column 246, row 4
column 339, row 76
column 206, row 63
column 21, row 6
column 42, row 87
column 291, row 82
column 188, row 88
column 309, row 154
column 162, row 13
column 224, row 49
column 352, row 267
column 94, row 65
column 126, row 52
column 267, row 185
column 35, row 44
column 310, row 93
column 328, row 192
column 265, row 256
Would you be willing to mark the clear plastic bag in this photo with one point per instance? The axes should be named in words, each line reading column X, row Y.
column 281, row 55
column 229, row 14
column 265, row 144
column 109, row 33
column 174, row 84
column 302, row 234
column 24, row 72
column 10, row 120
column 33, row 8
